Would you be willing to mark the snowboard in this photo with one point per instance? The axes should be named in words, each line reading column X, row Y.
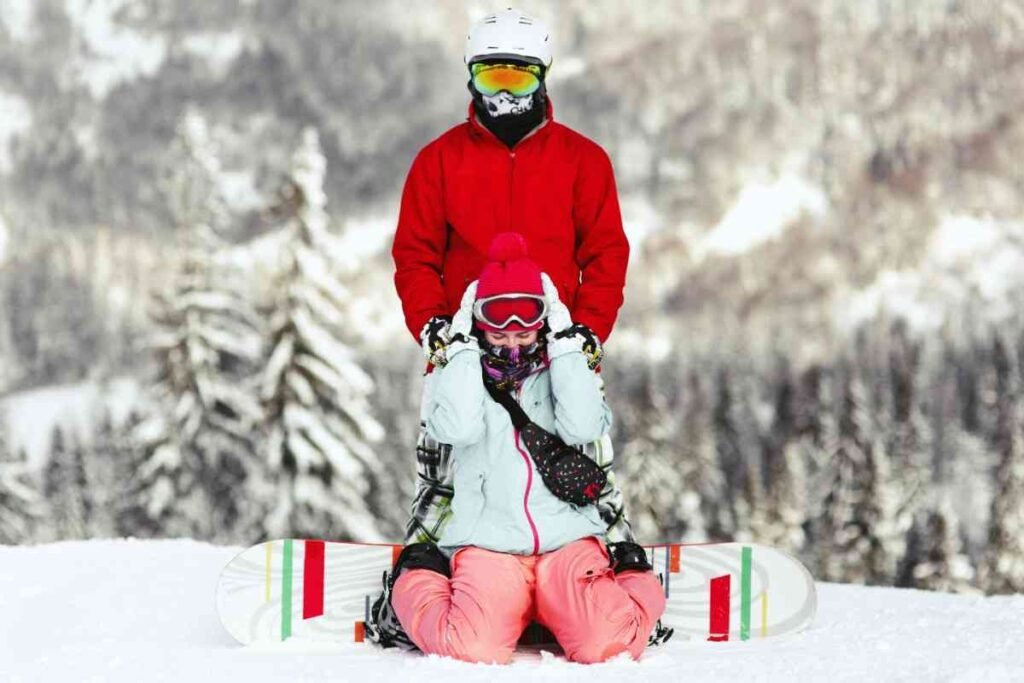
column 322, row 590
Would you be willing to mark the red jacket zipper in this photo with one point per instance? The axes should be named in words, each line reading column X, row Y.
column 529, row 485
column 511, row 188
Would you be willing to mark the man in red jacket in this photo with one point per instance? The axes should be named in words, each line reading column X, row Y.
column 509, row 168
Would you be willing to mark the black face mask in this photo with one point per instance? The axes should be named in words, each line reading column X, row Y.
column 511, row 128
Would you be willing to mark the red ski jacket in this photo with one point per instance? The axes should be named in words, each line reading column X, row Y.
column 555, row 186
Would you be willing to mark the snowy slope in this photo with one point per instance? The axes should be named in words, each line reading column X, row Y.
column 30, row 417
column 144, row 611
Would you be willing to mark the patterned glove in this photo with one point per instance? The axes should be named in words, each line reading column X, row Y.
column 462, row 325
column 435, row 337
column 579, row 337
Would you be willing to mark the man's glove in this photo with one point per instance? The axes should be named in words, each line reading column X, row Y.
column 566, row 337
column 461, row 330
column 434, row 337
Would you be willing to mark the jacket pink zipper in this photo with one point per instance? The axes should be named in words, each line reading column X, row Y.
column 526, row 495
column 529, row 485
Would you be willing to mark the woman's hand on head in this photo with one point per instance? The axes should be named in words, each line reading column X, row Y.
column 462, row 324
column 558, row 313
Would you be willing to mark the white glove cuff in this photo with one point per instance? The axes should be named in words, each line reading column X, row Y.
column 563, row 346
column 460, row 346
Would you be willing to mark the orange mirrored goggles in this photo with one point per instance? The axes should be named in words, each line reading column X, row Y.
column 517, row 79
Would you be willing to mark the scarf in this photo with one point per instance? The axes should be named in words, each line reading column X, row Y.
column 505, row 367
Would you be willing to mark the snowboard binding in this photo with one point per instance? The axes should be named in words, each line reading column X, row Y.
column 382, row 625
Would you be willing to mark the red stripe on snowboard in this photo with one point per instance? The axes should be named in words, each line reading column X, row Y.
column 719, row 627
column 673, row 561
column 313, row 580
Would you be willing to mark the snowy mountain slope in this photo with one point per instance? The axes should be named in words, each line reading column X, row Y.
column 129, row 610
column 968, row 263
column 30, row 417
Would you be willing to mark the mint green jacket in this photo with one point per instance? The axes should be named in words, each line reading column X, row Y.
column 500, row 501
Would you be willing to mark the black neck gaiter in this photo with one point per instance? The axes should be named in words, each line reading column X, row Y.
column 511, row 128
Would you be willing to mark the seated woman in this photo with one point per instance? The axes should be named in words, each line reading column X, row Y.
column 514, row 552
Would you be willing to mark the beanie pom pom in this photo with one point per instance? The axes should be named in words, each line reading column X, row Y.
column 507, row 246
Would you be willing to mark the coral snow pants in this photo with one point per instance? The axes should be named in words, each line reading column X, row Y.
column 479, row 614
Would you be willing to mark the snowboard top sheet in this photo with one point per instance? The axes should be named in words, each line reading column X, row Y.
column 322, row 590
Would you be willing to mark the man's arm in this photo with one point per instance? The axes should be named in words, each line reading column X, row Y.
column 420, row 243
column 602, row 250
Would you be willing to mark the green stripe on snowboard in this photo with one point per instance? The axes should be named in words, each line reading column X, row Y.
column 745, row 561
column 286, row 592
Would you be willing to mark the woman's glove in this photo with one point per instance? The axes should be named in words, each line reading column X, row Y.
column 461, row 337
column 558, row 314
column 566, row 336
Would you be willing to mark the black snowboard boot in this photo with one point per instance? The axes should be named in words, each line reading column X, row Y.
column 421, row 556
column 382, row 626
column 626, row 556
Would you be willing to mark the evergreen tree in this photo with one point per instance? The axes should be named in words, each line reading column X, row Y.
column 968, row 390
column 816, row 437
column 944, row 418
column 939, row 563
column 207, row 346
column 880, row 508
column 1003, row 566
column 316, row 395
column 785, row 510
column 64, row 487
column 103, row 480
column 10, row 368
column 731, row 459
column 160, row 491
column 398, row 407
column 752, row 507
column 652, row 473
column 812, row 408
column 703, row 497
column 858, row 540
column 911, row 442
column 963, row 461
column 19, row 496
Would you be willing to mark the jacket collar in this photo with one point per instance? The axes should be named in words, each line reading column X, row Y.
column 480, row 129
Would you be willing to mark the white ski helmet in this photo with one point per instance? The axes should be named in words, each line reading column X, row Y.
column 509, row 33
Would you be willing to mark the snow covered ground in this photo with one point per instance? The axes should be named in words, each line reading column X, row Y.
column 144, row 611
